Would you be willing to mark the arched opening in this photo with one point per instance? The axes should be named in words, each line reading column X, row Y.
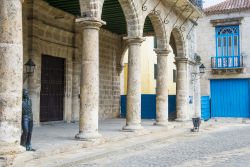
column 112, row 14
column 178, row 46
column 110, row 56
column 155, row 38
column 177, row 43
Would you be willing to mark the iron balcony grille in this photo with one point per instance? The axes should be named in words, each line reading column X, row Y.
column 197, row 3
column 224, row 62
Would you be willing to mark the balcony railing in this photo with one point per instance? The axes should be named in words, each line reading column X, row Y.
column 227, row 62
column 197, row 3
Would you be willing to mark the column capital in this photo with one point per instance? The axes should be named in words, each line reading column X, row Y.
column 181, row 59
column 90, row 22
column 162, row 52
column 134, row 40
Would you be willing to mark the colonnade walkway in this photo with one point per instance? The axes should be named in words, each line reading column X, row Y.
column 54, row 138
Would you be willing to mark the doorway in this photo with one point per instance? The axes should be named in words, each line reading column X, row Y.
column 52, row 88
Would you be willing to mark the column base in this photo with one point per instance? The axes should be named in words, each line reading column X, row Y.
column 10, row 149
column 86, row 136
column 132, row 128
column 181, row 120
column 161, row 123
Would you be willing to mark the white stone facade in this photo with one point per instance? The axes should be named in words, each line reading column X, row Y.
column 206, row 47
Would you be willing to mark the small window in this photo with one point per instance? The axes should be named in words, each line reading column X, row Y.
column 155, row 71
column 174, row 76
column 155, row 42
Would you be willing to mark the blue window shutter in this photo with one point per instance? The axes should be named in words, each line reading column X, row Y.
column 227, row 47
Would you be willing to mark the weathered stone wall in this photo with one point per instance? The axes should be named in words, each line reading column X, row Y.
column 48, row 35
column 110, row 45
column 206, row 47
column 53, row 32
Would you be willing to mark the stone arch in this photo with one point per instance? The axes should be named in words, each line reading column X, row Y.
column 159, row 29
column 131, row 16
column 177, row 42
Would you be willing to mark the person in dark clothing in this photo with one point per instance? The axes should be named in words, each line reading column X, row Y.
column 27, row 121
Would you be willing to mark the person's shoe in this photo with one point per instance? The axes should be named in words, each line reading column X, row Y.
column 30, row 149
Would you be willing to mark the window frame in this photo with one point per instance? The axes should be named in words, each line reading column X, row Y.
column 226, row 36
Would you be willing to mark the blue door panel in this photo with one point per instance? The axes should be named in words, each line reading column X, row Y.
column 230, row 98
column 148, row 106
column 123, row 106
column 172, row 107
column 205, row 108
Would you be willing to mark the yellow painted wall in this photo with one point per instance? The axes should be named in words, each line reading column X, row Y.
column 147, row 70
column 171, row 67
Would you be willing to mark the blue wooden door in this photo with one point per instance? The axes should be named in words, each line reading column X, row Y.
column 230, row 98
column 205, row 108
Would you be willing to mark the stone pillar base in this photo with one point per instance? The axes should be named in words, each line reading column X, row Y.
column 10, row 149
column 85, row 136
column 132, row 128
column 8, row 153
column 161, row 123
column 181, row 120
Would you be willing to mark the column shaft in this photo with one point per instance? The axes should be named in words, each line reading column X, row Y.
column 162, row 88
column 197, row 94
column 11, row 75
column 76, row 91
column 89, row 87
column 133, row 113
column 182, row 90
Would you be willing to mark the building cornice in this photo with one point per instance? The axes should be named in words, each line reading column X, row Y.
column 227, row 21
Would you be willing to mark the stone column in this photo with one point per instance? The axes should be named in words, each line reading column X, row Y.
column 133, row 113
column 182, row 89
column 68, row 90
column 11, row 75
column 162, row 88
column 76, row 91
column 197, row 93
column 89, row 87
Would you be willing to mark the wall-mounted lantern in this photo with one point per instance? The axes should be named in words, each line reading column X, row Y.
column 201, row 71
column 30, row 67
column 202, row 68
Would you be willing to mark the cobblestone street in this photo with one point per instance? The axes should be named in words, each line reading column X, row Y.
column 228, row 146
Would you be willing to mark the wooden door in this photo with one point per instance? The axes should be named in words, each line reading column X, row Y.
column 230, row 98
column 52, row 89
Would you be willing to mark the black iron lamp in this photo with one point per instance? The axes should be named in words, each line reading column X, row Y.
column 30, row 67
column 202, row 68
